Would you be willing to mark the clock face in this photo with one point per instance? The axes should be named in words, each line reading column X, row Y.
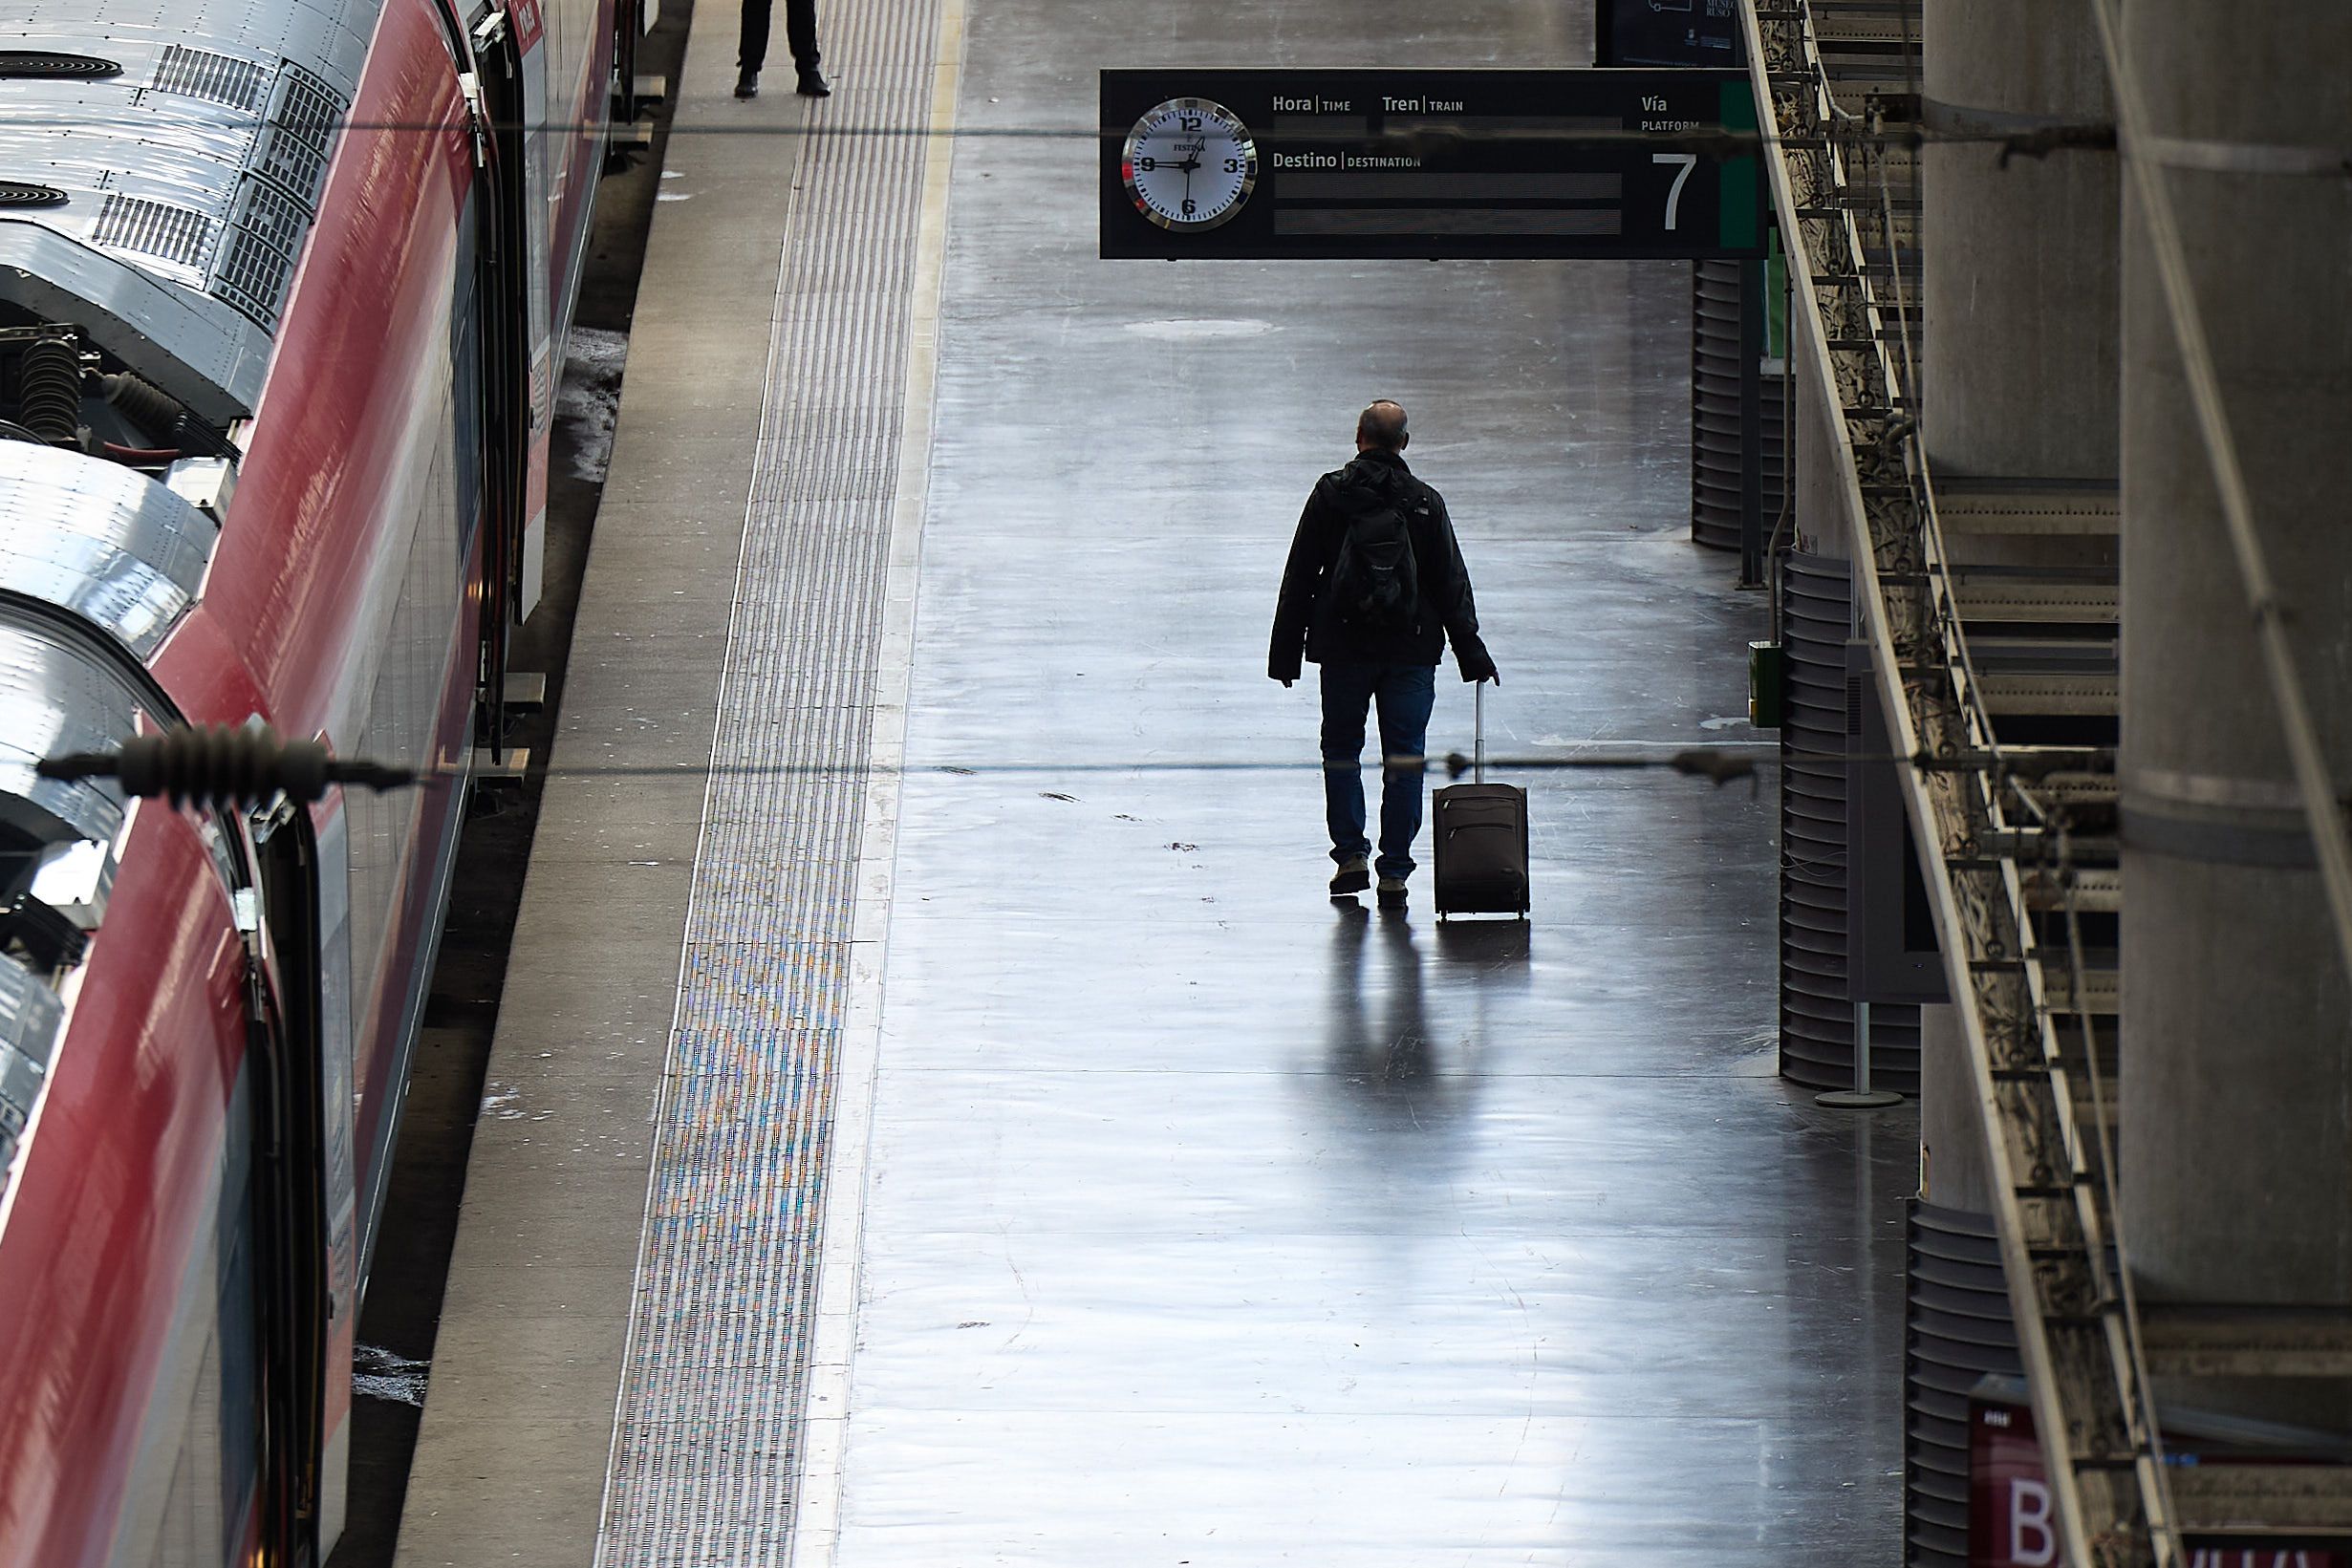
column 1189, row 164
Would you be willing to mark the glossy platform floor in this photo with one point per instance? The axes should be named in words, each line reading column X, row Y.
column 1203, row 1221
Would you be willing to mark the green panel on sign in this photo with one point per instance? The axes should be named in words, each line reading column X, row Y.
column 1740, row 212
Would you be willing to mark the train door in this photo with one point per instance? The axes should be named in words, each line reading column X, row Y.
column 505, row 51
column 303, row 1185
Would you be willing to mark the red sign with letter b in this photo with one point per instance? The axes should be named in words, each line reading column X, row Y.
column 2011, row 1523
column 2013, row 1520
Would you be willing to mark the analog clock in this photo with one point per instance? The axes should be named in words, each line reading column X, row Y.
column 1189, row 164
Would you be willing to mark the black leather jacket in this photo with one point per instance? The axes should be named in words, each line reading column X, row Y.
column 1306, row 621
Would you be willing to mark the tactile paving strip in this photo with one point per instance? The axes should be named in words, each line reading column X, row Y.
column 707, row 1448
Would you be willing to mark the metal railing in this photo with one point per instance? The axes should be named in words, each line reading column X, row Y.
column 1980, row 834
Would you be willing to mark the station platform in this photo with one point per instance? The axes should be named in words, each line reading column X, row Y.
column 940, row 1119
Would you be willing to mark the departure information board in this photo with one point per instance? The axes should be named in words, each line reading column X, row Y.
column 1272, row 163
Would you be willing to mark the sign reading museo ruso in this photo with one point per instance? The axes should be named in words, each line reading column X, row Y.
column 2012, row 1522
column 1275, row 164
column 1667, row 32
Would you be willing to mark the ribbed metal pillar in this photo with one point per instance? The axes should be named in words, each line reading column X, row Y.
column 1723, row 500
column 1957, row 1328
column 1816, row 1014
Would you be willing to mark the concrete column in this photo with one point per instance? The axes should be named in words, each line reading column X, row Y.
column 1955, row 1166
column 2020, row 272
column 2237, row 1018
column 2018, row 377
column 1821, row 464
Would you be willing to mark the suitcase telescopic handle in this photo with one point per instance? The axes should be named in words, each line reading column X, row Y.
column 1478, row 733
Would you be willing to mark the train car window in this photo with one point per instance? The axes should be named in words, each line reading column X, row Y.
column 465, row 384
column 192, row 1527
column 209, row 1506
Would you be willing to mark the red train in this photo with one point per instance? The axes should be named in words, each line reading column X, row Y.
column 283, row 291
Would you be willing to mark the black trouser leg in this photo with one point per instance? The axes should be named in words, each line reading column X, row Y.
column 800, row 31
column 753, row 53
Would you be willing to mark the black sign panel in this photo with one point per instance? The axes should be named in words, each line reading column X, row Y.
column 1276, row 164
column 1702, row 33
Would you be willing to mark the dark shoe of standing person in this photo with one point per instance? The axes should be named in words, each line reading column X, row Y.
column 747, row 83
column 1353, row 876
column 813, row 85
column 1391, row 893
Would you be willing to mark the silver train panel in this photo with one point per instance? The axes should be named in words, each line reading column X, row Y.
column 192, row 154
column 395, row 713
column 53, row 700
column 101, row 540
column 31, row 1017
column 64, row 840
column 209, row 357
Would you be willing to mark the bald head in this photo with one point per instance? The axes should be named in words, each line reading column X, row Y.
column 1381, row 427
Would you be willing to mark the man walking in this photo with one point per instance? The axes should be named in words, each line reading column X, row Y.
column 800, row 31
column 1375, row 589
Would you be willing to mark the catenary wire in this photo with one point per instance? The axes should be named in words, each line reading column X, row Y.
column 1718, row 763
column 2035, row 143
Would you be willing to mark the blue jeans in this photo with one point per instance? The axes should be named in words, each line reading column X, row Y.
column 1406, row 693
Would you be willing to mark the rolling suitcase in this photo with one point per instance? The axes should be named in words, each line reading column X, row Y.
column 1479, row 834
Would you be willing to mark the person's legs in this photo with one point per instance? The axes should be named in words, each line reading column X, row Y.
column 753, row 53
column 1347, row 693
column 800, row 31
column 1407, row 693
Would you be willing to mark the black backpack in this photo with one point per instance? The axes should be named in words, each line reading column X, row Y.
column 1375, row 583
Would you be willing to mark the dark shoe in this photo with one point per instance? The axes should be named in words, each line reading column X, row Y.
column 1391, row 893
column 1353, row 876
column 813, row 85
column 746, row 84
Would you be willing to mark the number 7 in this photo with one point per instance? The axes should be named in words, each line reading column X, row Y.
column 1674, row 192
